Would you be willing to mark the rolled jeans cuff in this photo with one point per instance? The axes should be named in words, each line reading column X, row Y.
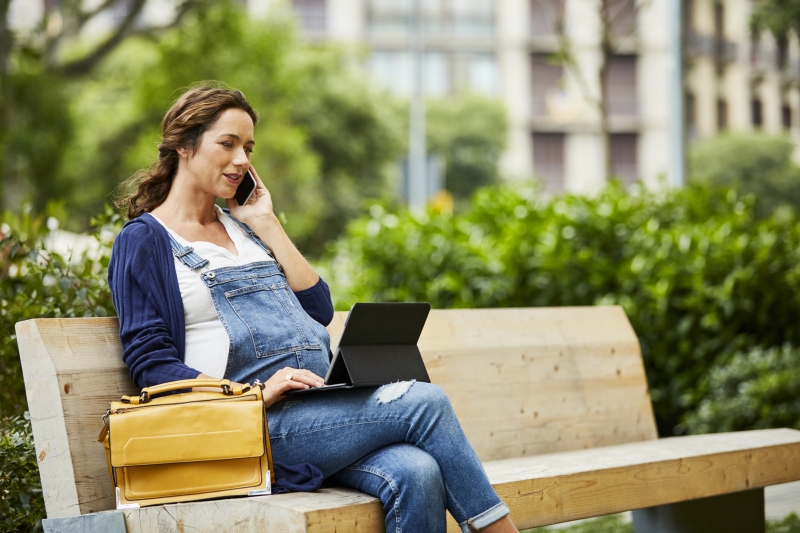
column 487, row 517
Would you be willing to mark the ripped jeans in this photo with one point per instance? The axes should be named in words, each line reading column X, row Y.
column 401, row 443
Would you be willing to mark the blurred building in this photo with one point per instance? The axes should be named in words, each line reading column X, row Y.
column 504, row 48
column 734, row 80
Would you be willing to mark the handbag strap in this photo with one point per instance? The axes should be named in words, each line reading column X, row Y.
column 225, row 384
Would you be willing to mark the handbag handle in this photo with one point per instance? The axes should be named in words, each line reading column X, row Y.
column 224, row 384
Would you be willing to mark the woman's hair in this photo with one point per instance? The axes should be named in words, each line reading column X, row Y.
column 190, row 116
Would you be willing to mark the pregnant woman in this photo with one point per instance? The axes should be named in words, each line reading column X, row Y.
column 205, row 293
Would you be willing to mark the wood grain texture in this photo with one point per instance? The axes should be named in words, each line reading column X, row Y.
column 566, row 486
column 540, row 490
column 72, row 369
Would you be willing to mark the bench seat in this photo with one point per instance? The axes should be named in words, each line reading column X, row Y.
column 540, row 490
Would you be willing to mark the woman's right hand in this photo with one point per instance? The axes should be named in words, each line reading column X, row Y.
column 278, row 384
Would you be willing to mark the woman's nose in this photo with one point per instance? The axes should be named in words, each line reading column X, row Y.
column 241, row 158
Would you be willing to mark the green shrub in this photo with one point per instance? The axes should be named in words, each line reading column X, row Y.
column 36, row 282
column 699, row 275
column 21, row 502
column 753, row 390
column 755, row 163
column 790, row 524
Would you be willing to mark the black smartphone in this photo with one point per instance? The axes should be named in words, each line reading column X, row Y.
column 245, row 188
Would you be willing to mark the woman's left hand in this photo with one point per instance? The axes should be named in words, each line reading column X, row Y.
column 258, row 207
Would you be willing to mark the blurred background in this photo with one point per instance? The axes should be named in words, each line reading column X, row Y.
column 468, row 153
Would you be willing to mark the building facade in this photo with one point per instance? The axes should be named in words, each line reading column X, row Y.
column 733, row 80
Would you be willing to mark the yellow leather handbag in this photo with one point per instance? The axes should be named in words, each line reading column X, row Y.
column 188, row 446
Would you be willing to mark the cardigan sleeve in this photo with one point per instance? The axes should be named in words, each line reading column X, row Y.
column 141, row 296
column 316, row 301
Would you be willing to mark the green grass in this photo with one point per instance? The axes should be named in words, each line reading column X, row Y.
column 617, row 524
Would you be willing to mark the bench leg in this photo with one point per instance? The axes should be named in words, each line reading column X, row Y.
column 740, row 512
column 105, row 522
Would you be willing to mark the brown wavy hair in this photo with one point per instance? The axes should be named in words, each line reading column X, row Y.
column 190, row 116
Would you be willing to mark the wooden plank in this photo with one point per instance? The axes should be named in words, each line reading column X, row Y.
column 539, row 490
column 324, row 511
column 79, row 364
column 560, row 487
column 47, row 420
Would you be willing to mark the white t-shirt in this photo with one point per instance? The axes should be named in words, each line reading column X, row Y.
column 207, row 342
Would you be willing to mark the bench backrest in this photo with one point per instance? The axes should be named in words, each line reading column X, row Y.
column 522, row 381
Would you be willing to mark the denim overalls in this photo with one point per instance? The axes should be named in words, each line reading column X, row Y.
column 401, row 443
column 267, row 326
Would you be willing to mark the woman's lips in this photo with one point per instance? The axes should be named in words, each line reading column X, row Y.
column 233, row 178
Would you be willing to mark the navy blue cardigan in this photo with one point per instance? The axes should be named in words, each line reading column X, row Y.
column 145, row 290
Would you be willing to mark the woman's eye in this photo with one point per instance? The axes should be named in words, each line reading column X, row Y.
column 248, row 151
column 227, row 144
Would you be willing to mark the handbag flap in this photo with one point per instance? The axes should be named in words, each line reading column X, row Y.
column 188, row 432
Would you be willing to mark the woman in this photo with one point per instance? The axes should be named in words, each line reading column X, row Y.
column 201, row 293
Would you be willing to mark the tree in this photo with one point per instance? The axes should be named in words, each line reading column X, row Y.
column 777, row 16
column 617, row 20
column 35, row 69
column 755, row 163
column 469, row 133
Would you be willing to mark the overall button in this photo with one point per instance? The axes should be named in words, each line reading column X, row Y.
column 211, row 275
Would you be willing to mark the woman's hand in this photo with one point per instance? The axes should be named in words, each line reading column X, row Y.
column 287, row 379
column 258, row 207
column 259, row 215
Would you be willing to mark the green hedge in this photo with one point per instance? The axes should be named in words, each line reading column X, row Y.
column 699, row 275
column 21, row 502
column 754, row 390
column 35, row 282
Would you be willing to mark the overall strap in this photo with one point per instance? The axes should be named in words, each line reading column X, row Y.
column 253, row 237
column 186, row 254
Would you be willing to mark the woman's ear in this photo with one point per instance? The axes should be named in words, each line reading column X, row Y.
column 183, row 152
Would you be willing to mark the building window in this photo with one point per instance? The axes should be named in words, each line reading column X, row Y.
column 443, row 73
column 621, row 86
column 311, row 16
column 546, row 15
column 786, row 116
column 722, row 114
column 545, row 78
column 623, row 157
column 719, row 20
column 548, row 160
column 471, row 18
column 621, row 17
column 690, row 114
column 756, row 112
column 688, row 14
column 783, row 53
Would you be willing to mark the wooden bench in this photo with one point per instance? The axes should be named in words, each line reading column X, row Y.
column 554, row 401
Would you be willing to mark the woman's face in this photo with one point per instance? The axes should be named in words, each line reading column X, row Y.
column 223, row 155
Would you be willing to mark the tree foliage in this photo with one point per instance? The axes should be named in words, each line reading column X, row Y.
column 754, row 163
column 698, row 273
column 469, row 133
column 37, row 282
column 21, row 502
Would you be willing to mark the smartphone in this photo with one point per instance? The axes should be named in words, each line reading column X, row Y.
column 245, row 189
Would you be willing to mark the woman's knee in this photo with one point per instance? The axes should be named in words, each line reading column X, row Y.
column 431, row 397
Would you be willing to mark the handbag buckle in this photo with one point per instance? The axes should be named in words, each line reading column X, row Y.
column 226, row 389
column 145, row 397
